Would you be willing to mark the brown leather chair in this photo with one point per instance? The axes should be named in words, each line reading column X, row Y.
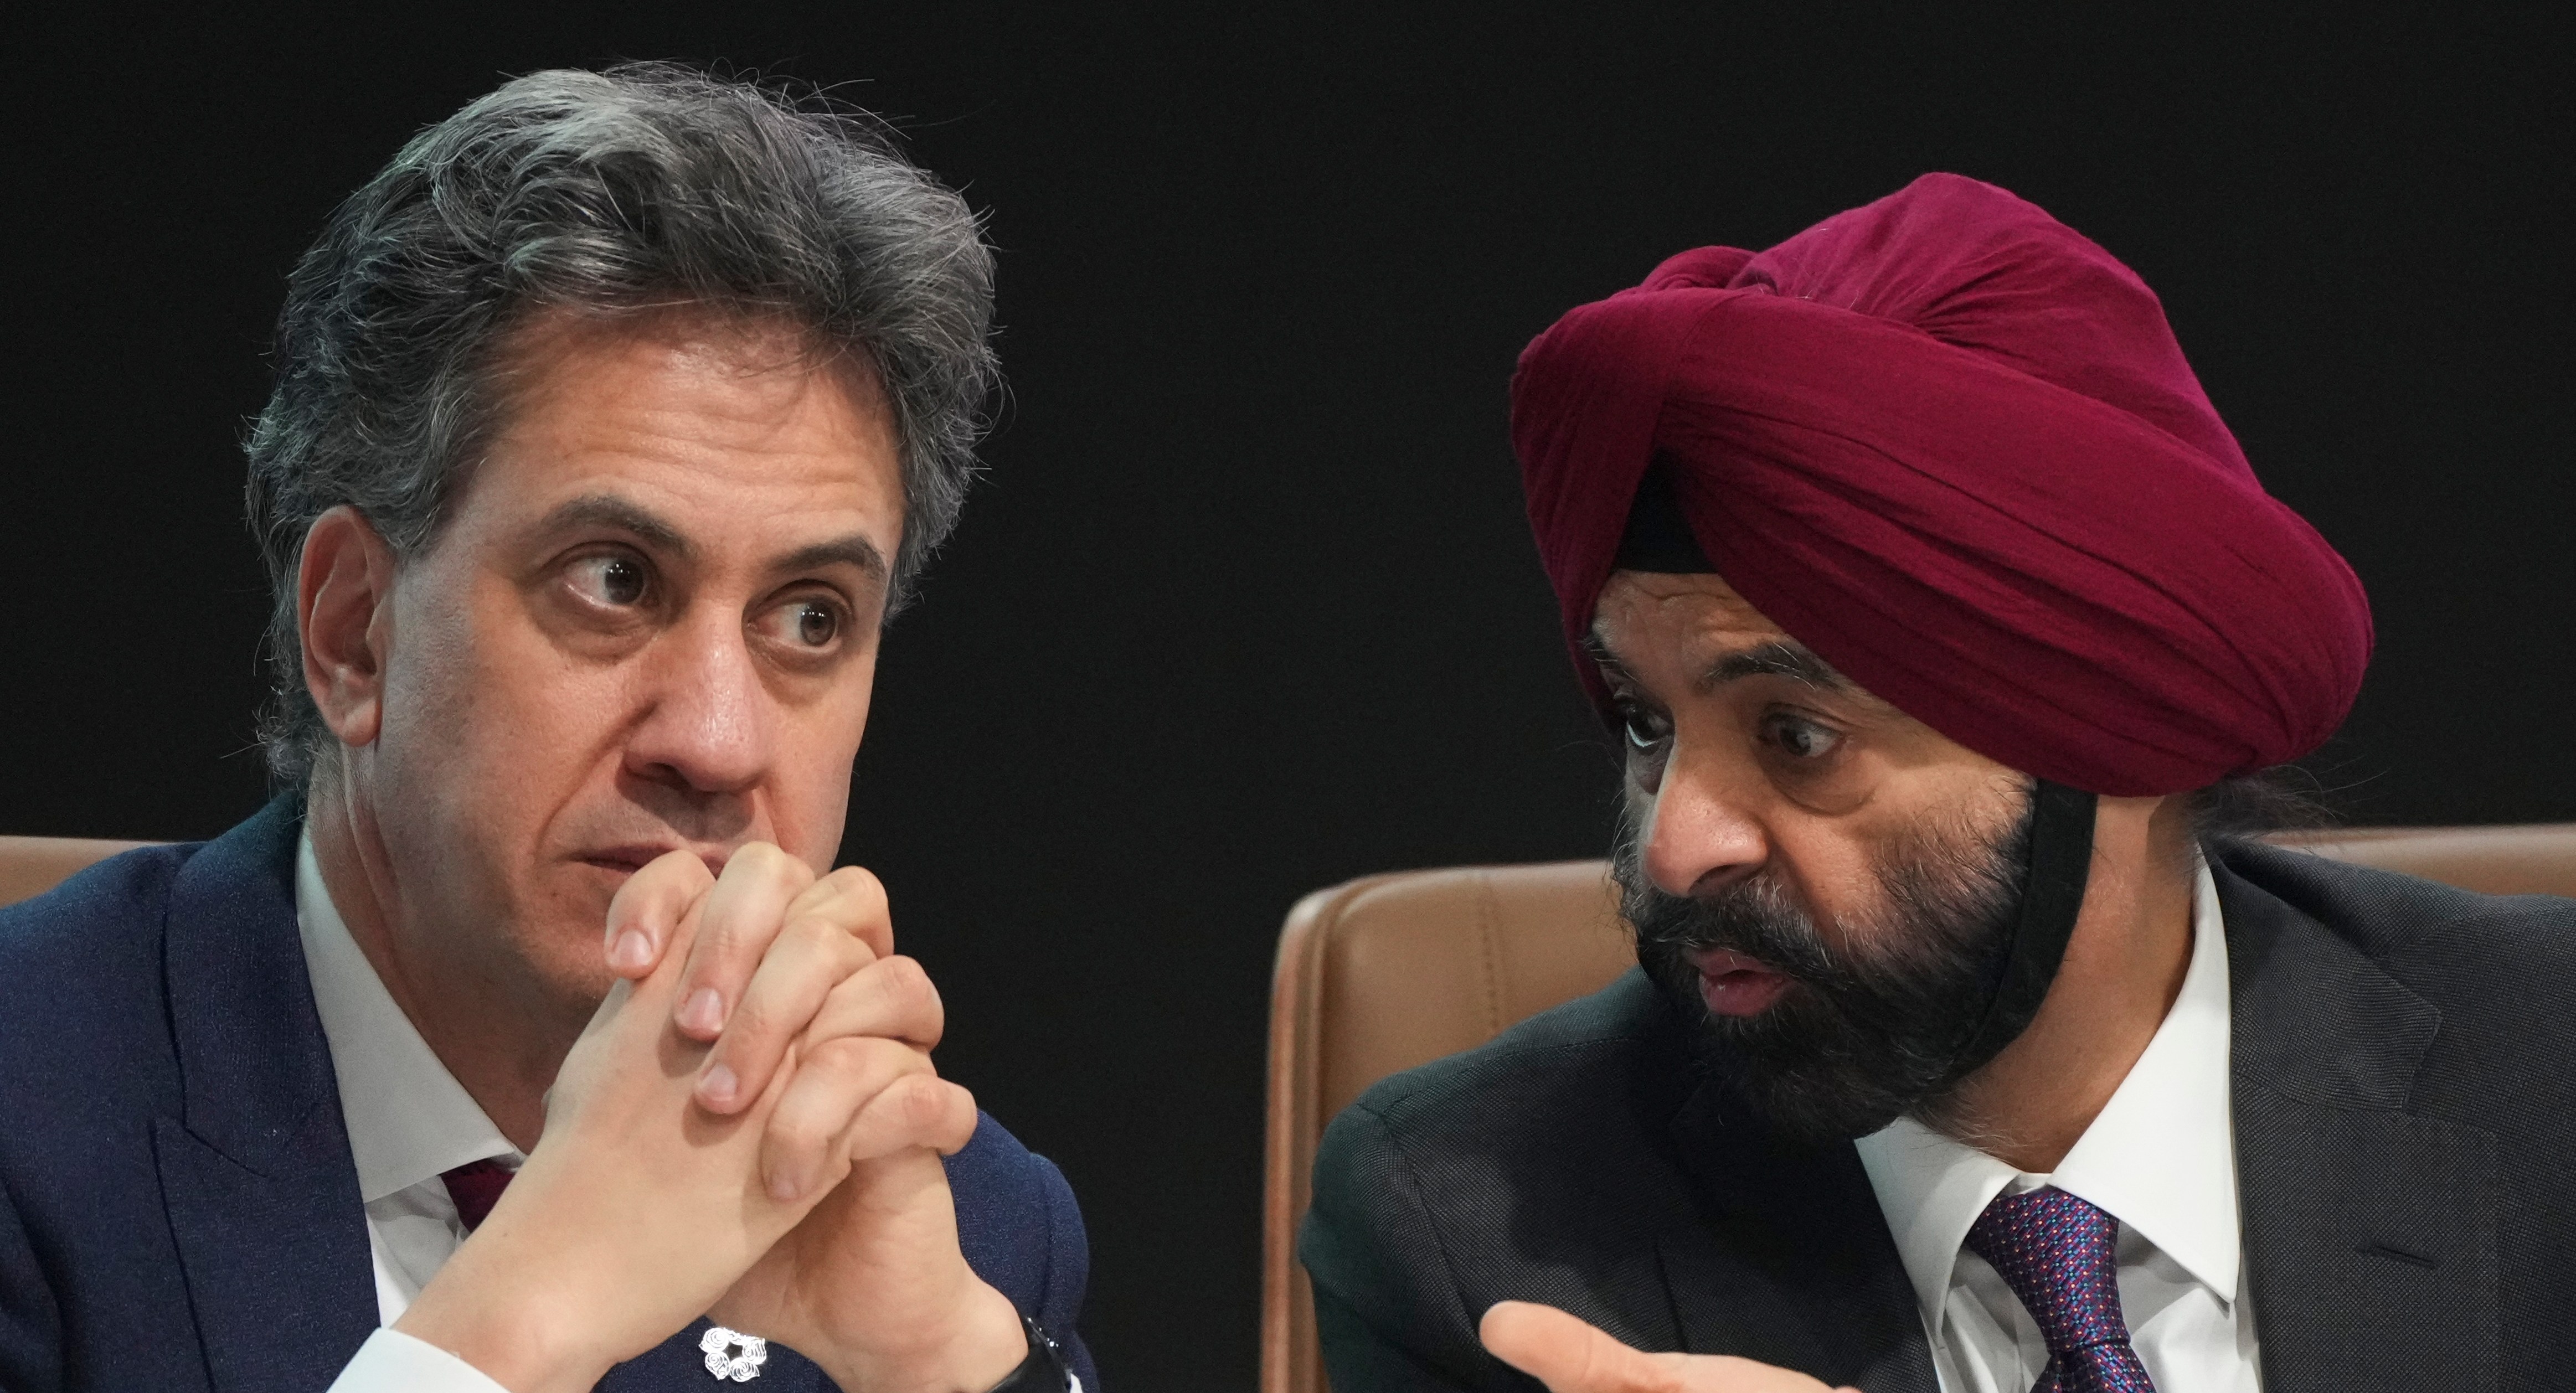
column 1391, row 971
column 30, row 866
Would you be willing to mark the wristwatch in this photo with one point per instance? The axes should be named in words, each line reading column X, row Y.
column 1044, row 1371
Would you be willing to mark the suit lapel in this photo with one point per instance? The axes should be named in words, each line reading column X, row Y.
column 256, row 1175
column 2370, row 1234
column 1803, row 1272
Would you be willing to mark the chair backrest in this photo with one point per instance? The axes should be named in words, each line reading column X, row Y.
column 30, row 866
column 1392, row 971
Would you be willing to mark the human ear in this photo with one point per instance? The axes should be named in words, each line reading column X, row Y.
column 344, row 617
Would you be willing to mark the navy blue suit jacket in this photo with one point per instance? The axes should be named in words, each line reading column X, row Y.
column 178, row 1205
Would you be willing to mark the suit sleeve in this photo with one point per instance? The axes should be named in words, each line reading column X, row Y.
column 1387, row 1304
column 31, row 1327
column 1068, row 1273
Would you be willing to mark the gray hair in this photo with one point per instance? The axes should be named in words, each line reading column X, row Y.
column 641, row 188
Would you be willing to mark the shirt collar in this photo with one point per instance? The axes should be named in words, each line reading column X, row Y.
column 408, row 1117
column 2160, row 1157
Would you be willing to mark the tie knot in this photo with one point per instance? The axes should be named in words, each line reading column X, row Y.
column 476, row 1186
column 2057, row 1254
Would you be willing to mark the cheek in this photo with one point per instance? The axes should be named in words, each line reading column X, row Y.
column 476, row 695
column 1835, row 868
column 811, row 792
column 1958, row 818
column 432, row 678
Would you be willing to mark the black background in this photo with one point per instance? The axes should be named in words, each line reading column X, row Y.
column 1247, row 606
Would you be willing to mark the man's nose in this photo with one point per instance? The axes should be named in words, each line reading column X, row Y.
column 1704, row 832
column 710, row 726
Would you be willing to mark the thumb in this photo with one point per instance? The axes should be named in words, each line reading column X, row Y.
column 1568, row 1355
column 650, row 909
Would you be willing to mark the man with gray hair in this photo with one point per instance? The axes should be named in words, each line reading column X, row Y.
column 529, row 1038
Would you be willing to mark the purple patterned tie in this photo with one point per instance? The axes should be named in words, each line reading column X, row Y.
column 2055, row 1252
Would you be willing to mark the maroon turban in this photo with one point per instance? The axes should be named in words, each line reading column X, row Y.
column 1953, row 448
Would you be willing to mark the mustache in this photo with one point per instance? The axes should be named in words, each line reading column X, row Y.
column 1883, row 998
column 1940, row 894
column 1756, row 916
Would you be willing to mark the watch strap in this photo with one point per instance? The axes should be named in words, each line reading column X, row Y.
column 1044, row 1371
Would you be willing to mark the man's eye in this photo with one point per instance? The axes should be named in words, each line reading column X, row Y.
column 805, row 624
column 1800, row 738
column 816, row 625
column 609, row 580
column 1644, row 732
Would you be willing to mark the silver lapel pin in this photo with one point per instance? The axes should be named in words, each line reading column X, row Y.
column 732, row 1354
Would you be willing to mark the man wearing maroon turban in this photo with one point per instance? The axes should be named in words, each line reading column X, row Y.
column 1942, row 621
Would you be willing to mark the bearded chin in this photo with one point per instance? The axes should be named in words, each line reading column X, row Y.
column 1868, row 1031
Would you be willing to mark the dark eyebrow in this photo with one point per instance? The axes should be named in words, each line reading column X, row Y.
column 608, row 510
column 852, row 550
column 1601, row 655
column 1778, row 658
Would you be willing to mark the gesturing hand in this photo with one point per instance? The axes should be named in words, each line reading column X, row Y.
column 1570, row 1356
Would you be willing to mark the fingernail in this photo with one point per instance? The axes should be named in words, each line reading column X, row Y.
column 632, row 952
column 717, row 1085
column 785, row 1185
column 703, row 1011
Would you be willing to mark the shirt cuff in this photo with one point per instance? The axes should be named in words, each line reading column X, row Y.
column 393, row 1362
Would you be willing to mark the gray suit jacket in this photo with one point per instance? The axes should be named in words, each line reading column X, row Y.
column 2404, row 1061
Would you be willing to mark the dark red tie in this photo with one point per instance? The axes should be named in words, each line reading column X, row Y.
column 476, row 1186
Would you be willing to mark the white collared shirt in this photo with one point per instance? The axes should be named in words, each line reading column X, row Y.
column 2160, row 1158
column 409, row 1121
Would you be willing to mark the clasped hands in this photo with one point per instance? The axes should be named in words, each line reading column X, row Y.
column 749, row 1129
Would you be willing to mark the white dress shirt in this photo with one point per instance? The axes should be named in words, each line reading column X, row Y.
column 409, row 1120
column 2160, row 1158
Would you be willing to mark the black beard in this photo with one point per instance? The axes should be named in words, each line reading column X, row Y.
column 1865, row 1036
